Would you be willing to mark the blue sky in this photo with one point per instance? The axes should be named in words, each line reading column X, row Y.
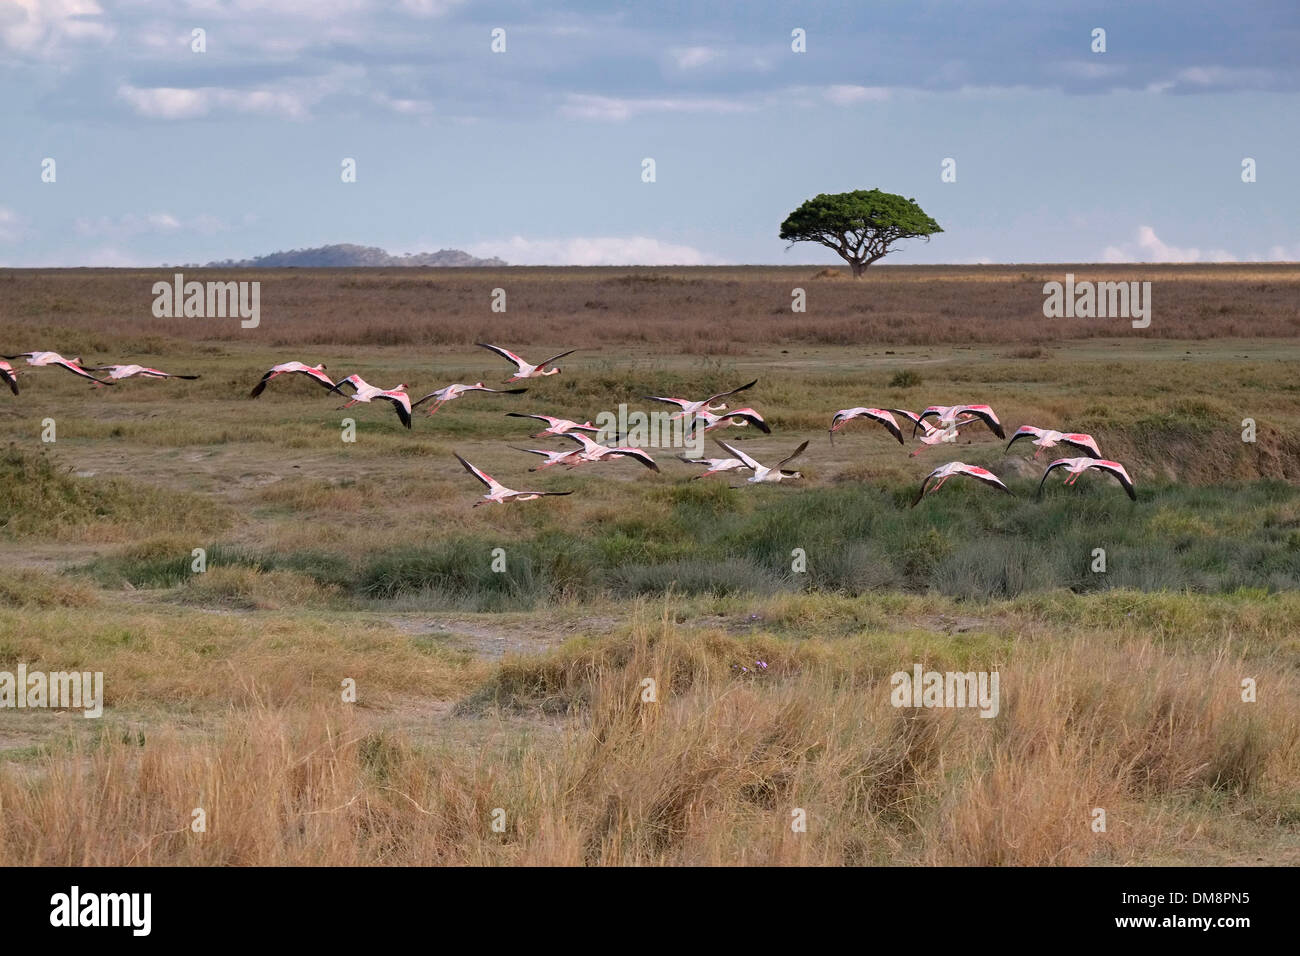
column 535, row 154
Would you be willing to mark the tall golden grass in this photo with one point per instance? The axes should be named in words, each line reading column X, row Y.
column 710, row 774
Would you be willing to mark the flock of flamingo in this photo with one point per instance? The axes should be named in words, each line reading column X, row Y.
column 711, row 413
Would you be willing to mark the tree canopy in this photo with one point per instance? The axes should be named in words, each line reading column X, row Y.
column 861, row 225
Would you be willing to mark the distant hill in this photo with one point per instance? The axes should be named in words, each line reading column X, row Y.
column 347, row 255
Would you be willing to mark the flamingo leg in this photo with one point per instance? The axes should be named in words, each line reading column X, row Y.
column 437, row 405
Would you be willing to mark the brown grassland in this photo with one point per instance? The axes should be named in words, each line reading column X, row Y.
column 521, row 691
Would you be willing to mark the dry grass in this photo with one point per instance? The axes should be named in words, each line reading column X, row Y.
column 708, row 311
column 709, row 774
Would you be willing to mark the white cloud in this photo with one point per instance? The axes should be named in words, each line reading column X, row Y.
column 1090, row 70
column 43, row 27
column 159, row 223
column 175, row 103
column 12, row 225
column 429, row 8
column 406, row 107
column 1151, row 248
column 691, row 57
column 844, row 95
column 599, row 251
column 617, row 109
column 1204, row 79
column 1285, row 254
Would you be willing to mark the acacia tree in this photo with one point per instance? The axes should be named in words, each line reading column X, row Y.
column 860, row 226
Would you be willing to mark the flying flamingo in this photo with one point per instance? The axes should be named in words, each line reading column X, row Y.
column 556, row 426
column 716, row 465
column 947, row 415
column 934, row 435
column 1077, row 466
column 73, row 365
column 690, row 408
column 451, row 392
column 316, row 372
column 846, row 415
column 593, row 451
column 563, row 457
column 119, row 372
column 522, row 369
column 944, row 472
column 364, row 392
column 9, row 376
column 740, row 417
column 762, row 473
column 1045, row 438
column 498, row 493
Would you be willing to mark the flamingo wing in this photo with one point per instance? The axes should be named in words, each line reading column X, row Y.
column 751, row 416
column 986, row 415
column 884, row 418
column 504, row 353
column 920, row 419
column 587, row 444
column 9, row 378
column 491, row 483
column 680, row 402
column 1059, row 463
column 76, row 369
column 1116, row 469
column 984, row 475
column 737, row 453
column 639, row 455
column 260, row 387
column 402, row 403
column 1082, row 442
column 541, row 418
column 352, row 380
column 924, row 484
column 555, row 358
column 1025, row 431
column 797, row 452
column 318, row 375
column 713, row 398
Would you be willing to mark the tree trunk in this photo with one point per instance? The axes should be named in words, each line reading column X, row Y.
column 858, row 269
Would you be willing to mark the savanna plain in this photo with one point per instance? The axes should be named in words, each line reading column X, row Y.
column 515, row 696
